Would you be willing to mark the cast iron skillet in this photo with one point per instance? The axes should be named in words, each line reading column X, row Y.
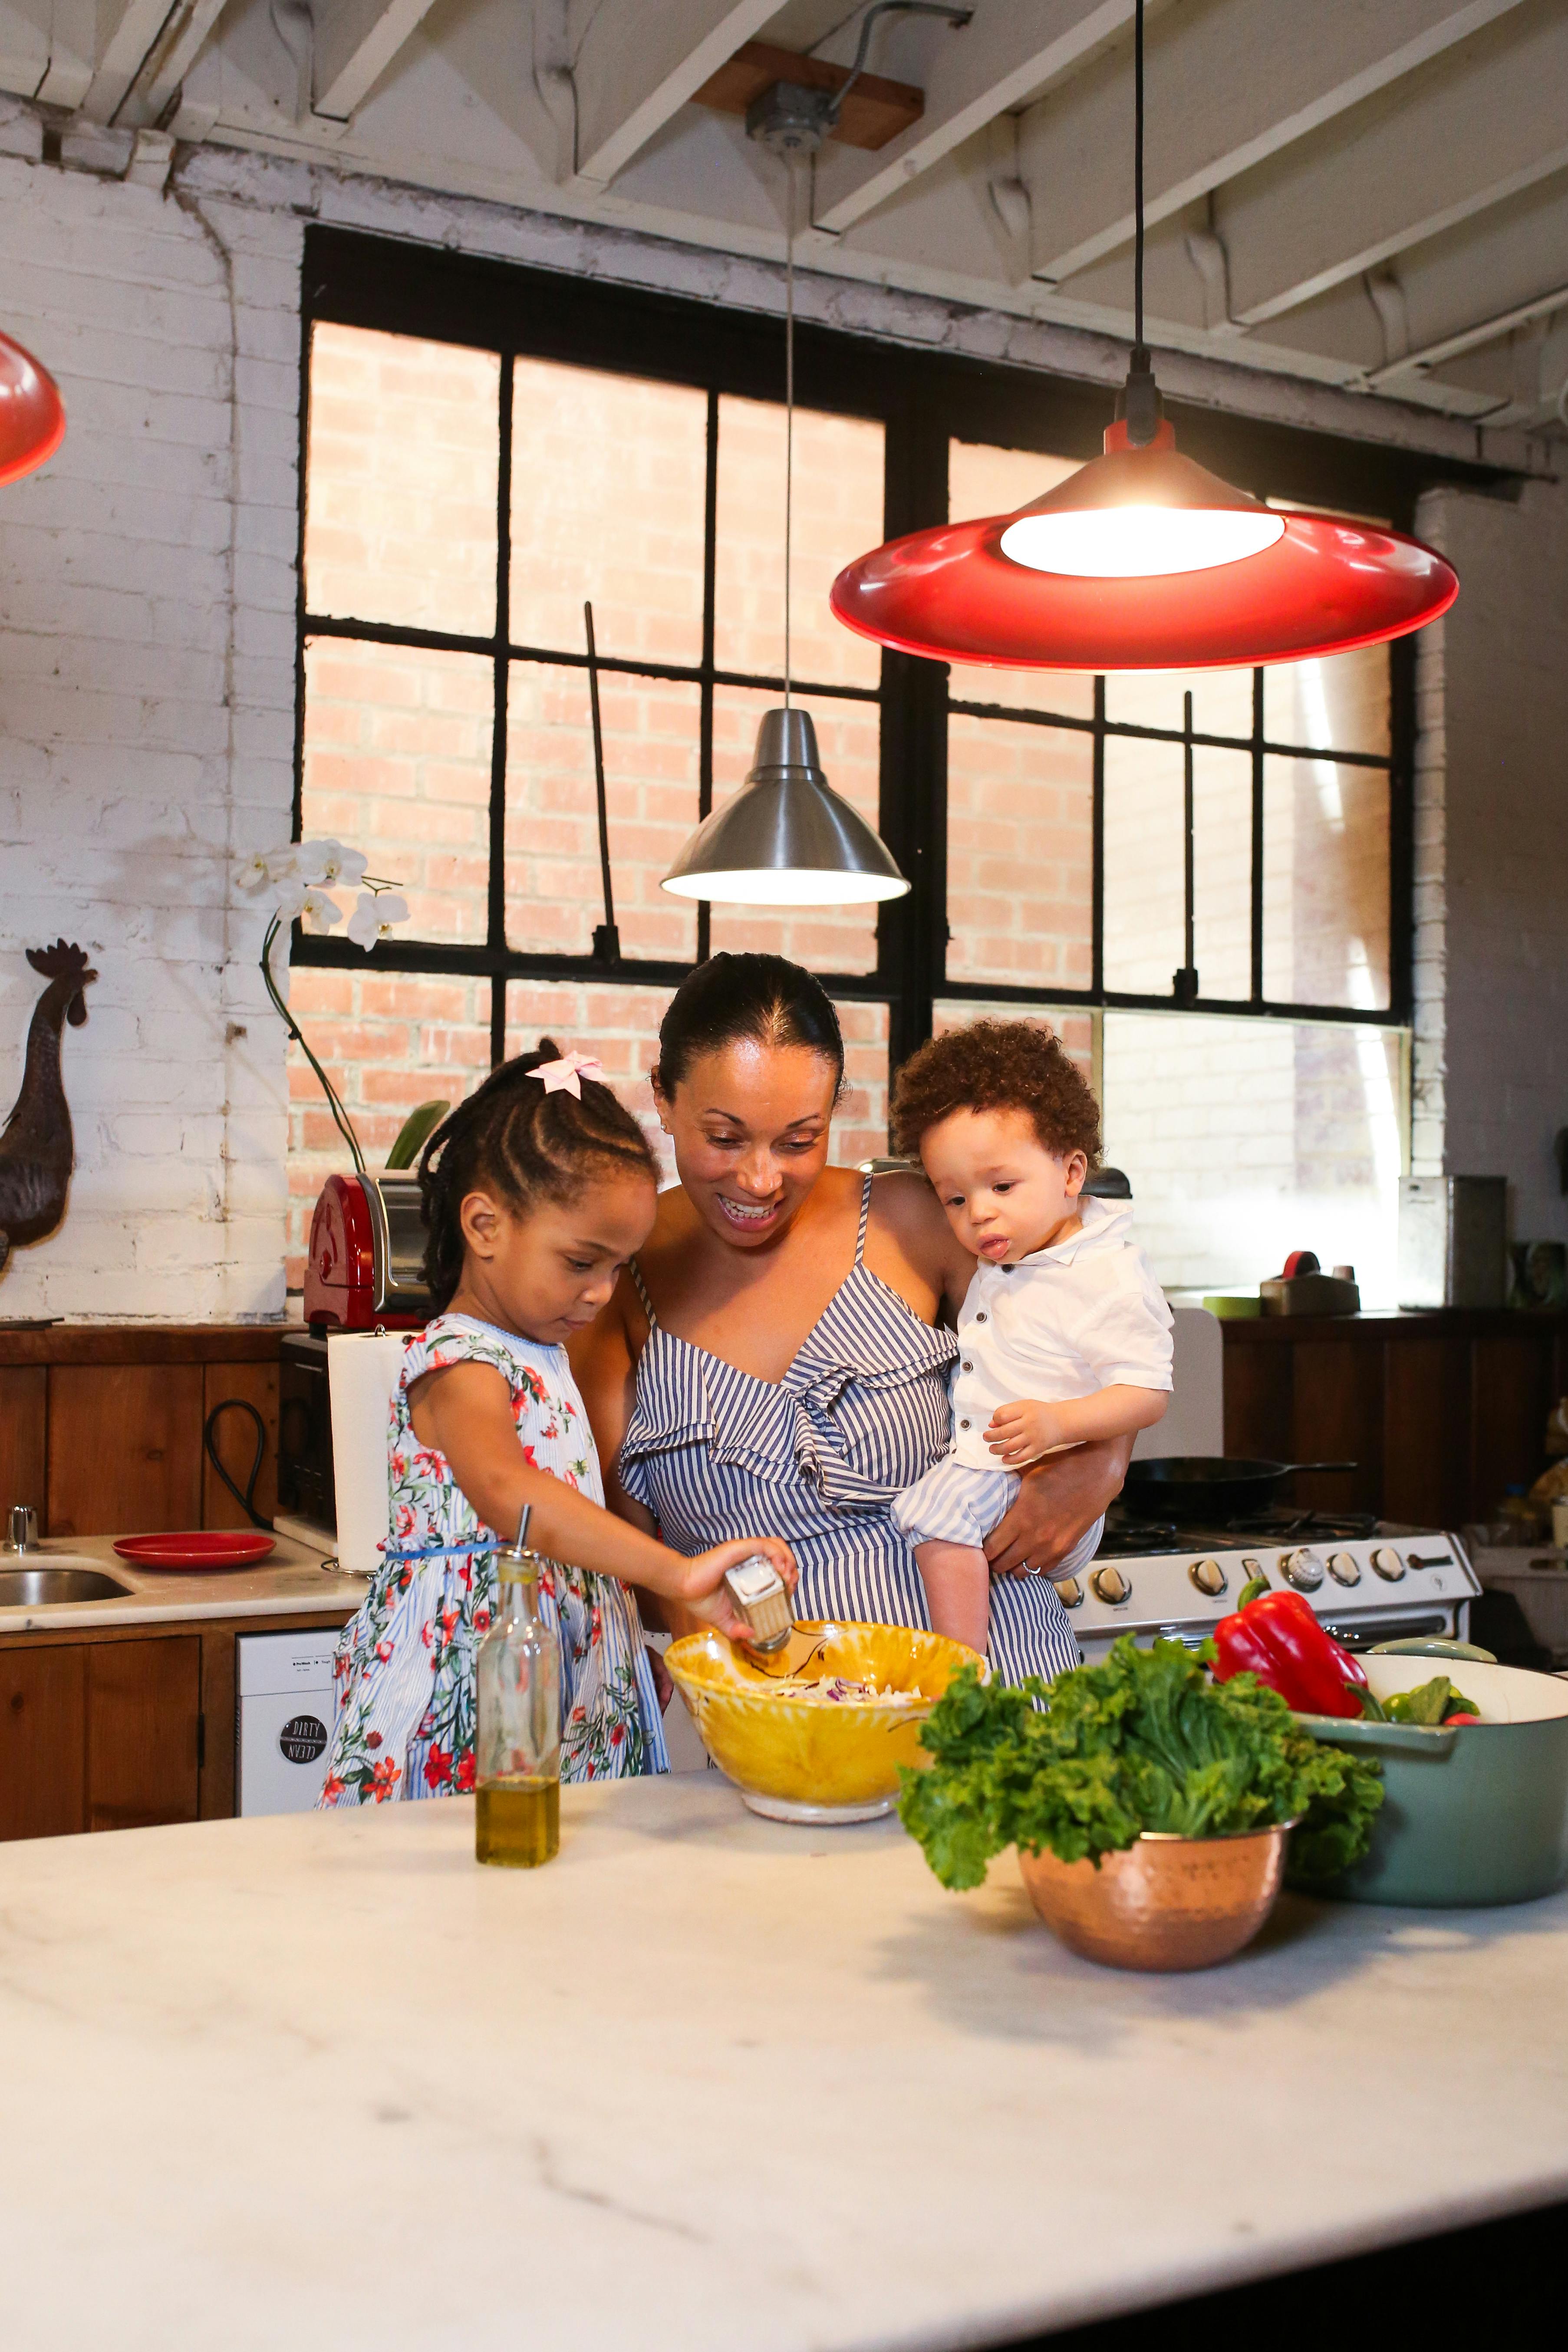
column 1198, row 1489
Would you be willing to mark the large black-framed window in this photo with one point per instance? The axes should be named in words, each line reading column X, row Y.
column 922, row 403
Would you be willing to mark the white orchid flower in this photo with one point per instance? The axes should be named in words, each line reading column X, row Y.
column 303, row 902
column 376, row 916
column 330, row 863
column 265, row 868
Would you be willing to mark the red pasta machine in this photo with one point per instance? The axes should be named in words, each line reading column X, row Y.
column 366, row 1257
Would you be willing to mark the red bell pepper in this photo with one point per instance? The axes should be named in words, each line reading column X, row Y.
column 1279, row 1638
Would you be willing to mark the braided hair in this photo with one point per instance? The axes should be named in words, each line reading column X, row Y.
column 524, row 1145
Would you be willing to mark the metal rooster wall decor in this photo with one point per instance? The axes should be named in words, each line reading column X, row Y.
column 37, row 1154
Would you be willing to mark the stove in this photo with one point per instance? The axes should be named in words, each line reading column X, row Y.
column 1370, row 1581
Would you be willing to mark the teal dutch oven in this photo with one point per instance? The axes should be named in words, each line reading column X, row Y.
column 1472, row 1815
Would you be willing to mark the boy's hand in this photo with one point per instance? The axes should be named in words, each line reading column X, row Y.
column 704, row 1590
column 1017, row 1433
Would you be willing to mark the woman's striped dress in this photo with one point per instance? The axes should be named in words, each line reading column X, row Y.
column 817, row 1458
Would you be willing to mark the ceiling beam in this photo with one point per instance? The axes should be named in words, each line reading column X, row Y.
column 356, row 41
column 1011, row 48
column 130, row 34
column 636, row 64
column 1470, row 338
column 1229, row 85
column 165, row 67
column 1418, row 162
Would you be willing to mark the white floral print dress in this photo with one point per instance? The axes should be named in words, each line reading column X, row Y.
column 404, row 1667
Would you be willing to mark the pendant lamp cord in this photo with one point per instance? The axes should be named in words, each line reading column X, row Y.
column 1139, row 401
column 794, row 166
column 1137, row 184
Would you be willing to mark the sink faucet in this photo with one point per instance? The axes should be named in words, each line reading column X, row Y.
column 21, row 1529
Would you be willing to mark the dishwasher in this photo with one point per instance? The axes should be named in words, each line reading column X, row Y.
column 284, row 1719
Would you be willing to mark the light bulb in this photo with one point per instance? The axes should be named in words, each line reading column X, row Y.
column 1138, row 542
column 786, row 885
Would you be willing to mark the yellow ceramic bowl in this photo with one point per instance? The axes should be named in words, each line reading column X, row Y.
column 799, row 1762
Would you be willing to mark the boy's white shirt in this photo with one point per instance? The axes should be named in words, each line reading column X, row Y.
column 1084, row 1315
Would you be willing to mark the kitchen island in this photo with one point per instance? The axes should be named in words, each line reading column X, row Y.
column 709, row 2083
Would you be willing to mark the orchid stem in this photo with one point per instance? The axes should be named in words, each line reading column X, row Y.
column 341, row 1119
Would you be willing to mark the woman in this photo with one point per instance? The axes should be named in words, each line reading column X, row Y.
column 773, row 1363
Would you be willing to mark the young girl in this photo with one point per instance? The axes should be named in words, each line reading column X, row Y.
column 1064, row 1335
column 535, row 1193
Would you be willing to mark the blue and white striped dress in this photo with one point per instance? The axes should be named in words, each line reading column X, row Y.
column 817, row 1458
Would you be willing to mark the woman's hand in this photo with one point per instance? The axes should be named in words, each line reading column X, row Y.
column 703, row 1591
column 1061, row 1499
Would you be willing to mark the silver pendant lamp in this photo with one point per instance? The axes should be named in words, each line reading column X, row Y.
column 787, row 838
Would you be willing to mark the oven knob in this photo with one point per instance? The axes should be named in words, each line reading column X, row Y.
column 1209, row 1577
column 1388, row 1564
column 1110, row 1584
column 1342, row 1567
column 1069, row 1593
column 1304, row 1570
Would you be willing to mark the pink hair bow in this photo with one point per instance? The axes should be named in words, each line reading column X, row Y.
column 567, row 1072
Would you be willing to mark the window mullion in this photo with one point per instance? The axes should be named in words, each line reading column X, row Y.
column 705, row 691
column 501, row 670
column 1256, row 894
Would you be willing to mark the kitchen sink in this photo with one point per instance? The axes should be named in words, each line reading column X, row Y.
column 36, row 1588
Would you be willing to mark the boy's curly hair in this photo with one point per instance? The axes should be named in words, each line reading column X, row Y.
column 997, row 1066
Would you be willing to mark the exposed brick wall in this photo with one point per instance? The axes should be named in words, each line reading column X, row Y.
column 392, row 1041
column 146, row 693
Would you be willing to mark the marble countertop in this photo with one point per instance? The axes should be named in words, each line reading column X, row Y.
column 708, row 2083
column 289, row 1583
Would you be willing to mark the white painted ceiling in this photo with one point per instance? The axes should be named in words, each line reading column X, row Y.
column 1370, row 193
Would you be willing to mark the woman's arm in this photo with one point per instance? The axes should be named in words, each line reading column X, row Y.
column 1060, row 1500
column 465, row 1412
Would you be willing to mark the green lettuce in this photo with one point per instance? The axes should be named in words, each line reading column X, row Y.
column 1145, row 1740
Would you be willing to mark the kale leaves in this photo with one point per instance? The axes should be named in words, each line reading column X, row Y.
column 1143, row 1741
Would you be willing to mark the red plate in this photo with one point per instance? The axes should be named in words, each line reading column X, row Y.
column 204, row 1549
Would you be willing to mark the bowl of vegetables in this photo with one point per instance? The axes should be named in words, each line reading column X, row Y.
column 817, row 1732
column 1474, row 1757
column 1154, row 1809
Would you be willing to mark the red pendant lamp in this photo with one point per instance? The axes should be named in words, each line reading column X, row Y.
column 32, row 414
column 1143, row 559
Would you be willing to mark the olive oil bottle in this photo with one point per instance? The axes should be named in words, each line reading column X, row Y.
column 517, row 1780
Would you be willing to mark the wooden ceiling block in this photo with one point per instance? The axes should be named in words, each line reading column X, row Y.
column 875, row 110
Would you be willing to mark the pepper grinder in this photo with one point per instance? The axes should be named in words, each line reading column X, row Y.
column 762, row 1598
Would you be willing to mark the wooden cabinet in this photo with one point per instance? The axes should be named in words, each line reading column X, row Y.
column 124, row 1728
column 1441, row 1413
column 144, row 1731
column 125, row 1448
column 23, row 1419
column 43, row 1742
column 98, row 1735
column 102, row 1424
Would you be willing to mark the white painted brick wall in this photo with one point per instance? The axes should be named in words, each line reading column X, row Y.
column 1491, row 1057
column 146, row 705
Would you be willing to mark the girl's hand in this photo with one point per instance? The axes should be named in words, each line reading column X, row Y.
column 703, row 1587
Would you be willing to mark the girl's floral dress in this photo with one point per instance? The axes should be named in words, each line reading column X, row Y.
column 404, row 1667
